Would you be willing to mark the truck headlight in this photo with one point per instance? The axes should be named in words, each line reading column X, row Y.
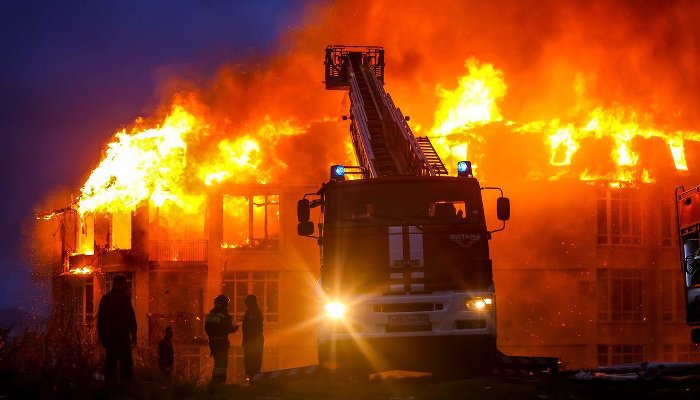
column 335, row 310
column 478, row 303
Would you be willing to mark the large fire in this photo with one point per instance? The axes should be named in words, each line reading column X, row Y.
column 474, row 103
column 156, row 165
column 143, row 165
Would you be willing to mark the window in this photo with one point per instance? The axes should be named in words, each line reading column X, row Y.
column 619, row 217
column 667, row 225
column 264, row 285
column 620, row 354
column 673, row 296
column 620, row 295
column 686, row 352
column 251, row 221
column 82, row 300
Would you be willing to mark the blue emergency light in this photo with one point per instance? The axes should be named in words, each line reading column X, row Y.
column 464, row 169
column 337, row 172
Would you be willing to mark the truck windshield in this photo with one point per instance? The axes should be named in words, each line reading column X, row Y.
column 415, row 203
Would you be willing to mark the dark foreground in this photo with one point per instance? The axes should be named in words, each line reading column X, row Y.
column 391, row 389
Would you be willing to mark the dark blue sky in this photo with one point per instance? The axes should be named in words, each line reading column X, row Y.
column 72, row 72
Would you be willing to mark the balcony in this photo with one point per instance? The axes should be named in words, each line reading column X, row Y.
column 178, row 250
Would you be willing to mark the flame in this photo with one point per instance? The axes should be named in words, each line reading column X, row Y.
column 240, row 160
column 86, row 270
column 475, row 103
column 143, row 165
column 156, row 165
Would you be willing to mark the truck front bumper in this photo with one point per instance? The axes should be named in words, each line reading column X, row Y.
column 472, row 355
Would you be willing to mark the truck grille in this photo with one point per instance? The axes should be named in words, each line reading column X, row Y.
column 407, row 307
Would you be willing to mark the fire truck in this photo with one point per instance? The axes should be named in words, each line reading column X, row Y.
column 688, row 216
column 406, row 279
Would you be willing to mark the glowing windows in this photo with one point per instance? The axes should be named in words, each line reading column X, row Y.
column 251, row 221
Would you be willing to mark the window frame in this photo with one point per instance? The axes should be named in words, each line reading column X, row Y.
column 619, row 217
column 614, row 303
column 270, row 203
column 270, row 284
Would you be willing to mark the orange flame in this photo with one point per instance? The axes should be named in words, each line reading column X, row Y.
column 155, row 164
column 141, row 166
column 475, row 102
column 86, row 270
column 240, row 160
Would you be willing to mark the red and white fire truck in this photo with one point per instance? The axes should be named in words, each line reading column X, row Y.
column 406, row 278
column 688, row 214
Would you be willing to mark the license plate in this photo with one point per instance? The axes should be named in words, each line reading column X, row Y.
column 409, row 320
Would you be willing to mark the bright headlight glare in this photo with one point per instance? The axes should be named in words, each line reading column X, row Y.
column 335, row 310
column 478, row 303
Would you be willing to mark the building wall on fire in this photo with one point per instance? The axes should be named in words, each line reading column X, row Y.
column 243, row 242
column 590, row 273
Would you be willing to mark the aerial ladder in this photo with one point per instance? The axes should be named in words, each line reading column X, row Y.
column 406, row 279
column 383, row 141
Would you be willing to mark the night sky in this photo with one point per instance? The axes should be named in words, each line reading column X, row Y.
column 73, row 72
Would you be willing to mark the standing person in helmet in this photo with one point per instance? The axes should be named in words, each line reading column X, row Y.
column 252, row 337
column 218, row 325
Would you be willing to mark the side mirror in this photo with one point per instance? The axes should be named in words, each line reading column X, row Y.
column 304, row 211
column 695, row 335
column 503, row 208
column 305, row 228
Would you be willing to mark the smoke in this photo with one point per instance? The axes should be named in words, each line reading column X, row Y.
column 560, row 60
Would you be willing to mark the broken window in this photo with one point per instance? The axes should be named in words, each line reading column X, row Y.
column 621, row 295
column 611, row 354
column 264, row 285
column 251, row 221
column 619, row 217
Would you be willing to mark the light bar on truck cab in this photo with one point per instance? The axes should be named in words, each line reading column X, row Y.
column 337, row 173
column 464, row 169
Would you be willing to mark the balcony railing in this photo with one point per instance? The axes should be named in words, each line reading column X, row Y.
column 177, row 250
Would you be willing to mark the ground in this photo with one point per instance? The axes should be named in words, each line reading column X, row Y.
column 560, row 387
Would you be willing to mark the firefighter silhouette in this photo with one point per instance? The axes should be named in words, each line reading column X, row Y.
column 166, row 354
column 218, row 325
column 252, row 337
column 116, row 328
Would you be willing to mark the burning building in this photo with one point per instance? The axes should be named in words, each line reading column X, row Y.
column 179, row 247
column 193, row 202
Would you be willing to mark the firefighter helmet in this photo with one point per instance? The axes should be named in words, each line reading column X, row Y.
column 221, row 300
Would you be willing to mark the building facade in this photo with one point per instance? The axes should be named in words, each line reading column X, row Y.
column 588, row 272
column 243, row 242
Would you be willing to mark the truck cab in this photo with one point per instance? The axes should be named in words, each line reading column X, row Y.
column 406, row 279
column 688, row 213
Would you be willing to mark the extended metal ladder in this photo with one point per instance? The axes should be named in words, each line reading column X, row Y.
column 384, row 143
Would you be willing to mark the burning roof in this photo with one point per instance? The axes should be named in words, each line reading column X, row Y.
column 577, row 86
